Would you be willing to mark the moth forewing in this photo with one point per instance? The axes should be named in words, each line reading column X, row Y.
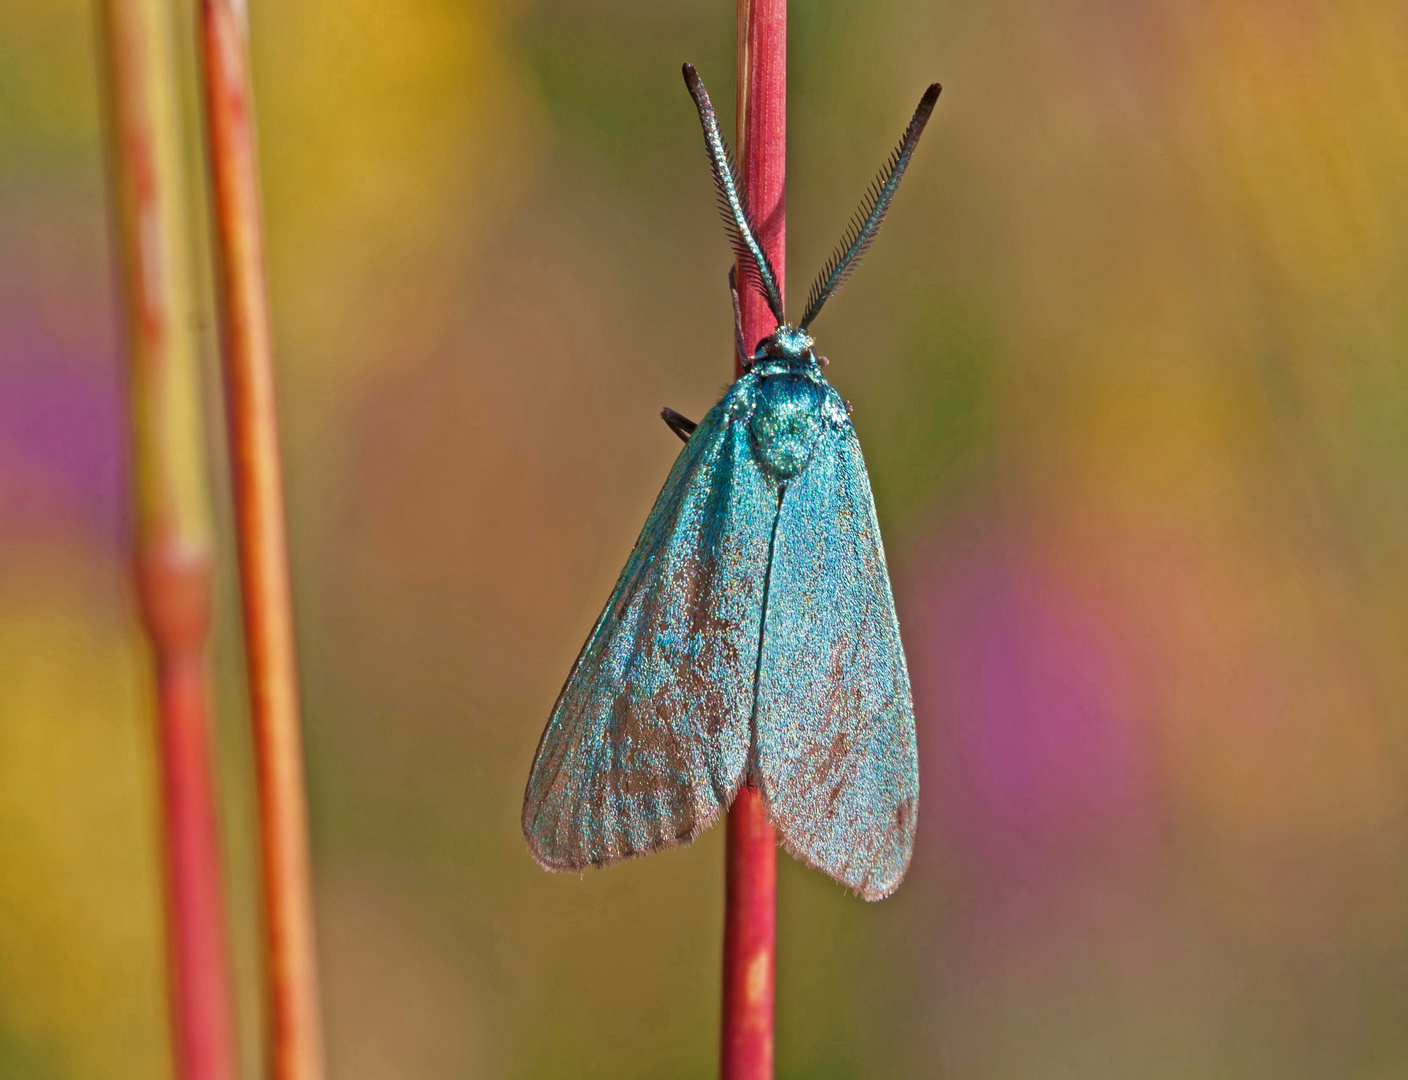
column 835, row 742
column 648, row 740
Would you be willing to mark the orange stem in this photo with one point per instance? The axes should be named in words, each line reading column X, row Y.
column 750, row 911
column 172, row 514
column 290, row 960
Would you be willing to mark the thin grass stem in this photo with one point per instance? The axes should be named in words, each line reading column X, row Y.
column 291, row 979
column 172, row 518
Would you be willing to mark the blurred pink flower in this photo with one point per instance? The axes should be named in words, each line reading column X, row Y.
column 1031, row 709
column 62, row 445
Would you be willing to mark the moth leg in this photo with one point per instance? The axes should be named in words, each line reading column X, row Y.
column 738, row 344
column 682, row 426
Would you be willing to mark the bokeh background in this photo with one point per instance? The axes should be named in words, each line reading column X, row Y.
column 1128, row 366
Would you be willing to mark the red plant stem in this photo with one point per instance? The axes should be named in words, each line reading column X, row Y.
column 198, row 964
column 750, row 911
column 750, row 941
column 295, row 1051
column 170, row 485
column 762, row 144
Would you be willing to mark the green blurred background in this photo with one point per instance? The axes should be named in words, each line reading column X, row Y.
column 1128, row 367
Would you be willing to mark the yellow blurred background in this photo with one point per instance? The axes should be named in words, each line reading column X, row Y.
column 1128, row 368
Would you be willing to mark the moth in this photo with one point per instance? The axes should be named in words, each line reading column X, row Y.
column 752, row 636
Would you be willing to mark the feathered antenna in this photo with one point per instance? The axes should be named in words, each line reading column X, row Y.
column 866, row 221
column 756, row 268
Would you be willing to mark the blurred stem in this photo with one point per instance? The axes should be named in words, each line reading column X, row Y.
column 290, row 959
column 173, row 540
column 750, row 908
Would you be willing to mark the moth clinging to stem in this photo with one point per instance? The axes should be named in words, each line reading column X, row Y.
column 752, row 636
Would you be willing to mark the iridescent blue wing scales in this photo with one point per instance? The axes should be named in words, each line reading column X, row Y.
column 835, row 749
column 649, row 738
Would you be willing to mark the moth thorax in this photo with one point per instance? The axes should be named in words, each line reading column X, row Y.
column 786, row 424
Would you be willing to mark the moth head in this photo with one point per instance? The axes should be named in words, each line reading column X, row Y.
column 786, row 343
column 786, row 349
